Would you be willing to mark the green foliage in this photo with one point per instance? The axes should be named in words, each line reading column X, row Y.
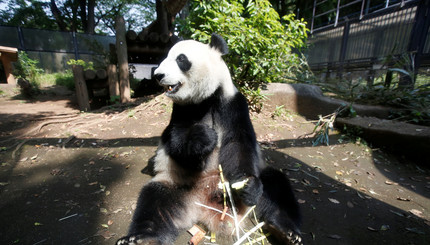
column 260, row 42
column 26, row 67
column 410, row 105
column 325, row 124
column 30, row 14
column 115, row 99
column 62, row 79
column 86, row 65
column 74, row 15
column 65, row 79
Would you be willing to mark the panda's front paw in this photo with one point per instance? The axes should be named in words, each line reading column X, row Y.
column 249, row 189
column 137, row 240
column 201, row 140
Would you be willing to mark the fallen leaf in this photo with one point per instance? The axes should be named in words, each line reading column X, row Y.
column 117, row 211
column 339, row 173
column 315, row 191
column 403, row 199
column 397, row 213
column 373, row 192
column 34, row 157
column 416, row 212
column 110, row 222
column 105, row 233
column 337, row 237
column 385, row 227
column 415, row 230
column 371, row 229
column 391, row 183
column 103, row 210
column 301, row 201
column 333, row 200
column 306, row 182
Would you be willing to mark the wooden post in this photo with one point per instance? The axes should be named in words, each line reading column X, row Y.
column 7, row 56
column 81, row 88
column 113, row 80
column 101, row 74
column 89, row 74
column 121, row 52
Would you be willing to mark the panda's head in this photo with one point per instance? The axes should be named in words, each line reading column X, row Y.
column 193, row 71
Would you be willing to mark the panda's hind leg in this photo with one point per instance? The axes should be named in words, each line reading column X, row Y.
column 158, row 210
column 279, row 209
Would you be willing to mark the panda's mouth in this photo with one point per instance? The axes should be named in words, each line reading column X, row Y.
column 173, row 88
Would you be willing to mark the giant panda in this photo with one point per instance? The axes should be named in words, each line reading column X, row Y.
column 209, row 127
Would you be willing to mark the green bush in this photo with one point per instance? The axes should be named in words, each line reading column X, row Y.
column 61, row 78
column 260, row 42
column 85, row 65
column 26, row 68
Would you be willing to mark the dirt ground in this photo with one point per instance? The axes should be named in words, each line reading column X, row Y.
column 73, row 178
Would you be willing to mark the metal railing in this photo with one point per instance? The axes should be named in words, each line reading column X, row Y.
column 364, row 41
column 54, row 48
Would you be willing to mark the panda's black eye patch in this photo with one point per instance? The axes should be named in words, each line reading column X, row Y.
column 183, row 62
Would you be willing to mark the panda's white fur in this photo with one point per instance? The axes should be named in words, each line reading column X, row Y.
column 209, row 126
column 200, row 81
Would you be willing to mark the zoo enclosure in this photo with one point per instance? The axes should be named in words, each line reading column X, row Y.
column 54, row 48
column 361, row 41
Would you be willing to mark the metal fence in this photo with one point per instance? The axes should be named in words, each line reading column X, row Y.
column 365, row 42
column 54, row 48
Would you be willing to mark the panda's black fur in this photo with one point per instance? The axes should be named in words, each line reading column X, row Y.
column 202, row 133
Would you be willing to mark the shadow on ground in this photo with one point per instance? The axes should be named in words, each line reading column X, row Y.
column 78, row 183
column 85, row 192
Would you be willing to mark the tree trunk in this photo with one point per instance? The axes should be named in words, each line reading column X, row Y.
column 57, row 15
column 121, row 52
column 83, row 14
column 91, row 18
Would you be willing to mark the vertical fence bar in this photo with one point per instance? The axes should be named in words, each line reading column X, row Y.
column 21, row 39
column 337, row 13
column 419, row 34
column 313, row 16
column 343, row 47
column 75, row 46
column 362, row 9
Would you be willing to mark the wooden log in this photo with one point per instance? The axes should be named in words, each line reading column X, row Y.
column 154, row 37
column 113, row 80
column 164, row 38
column 174, row 39
column 89, row 74
column 81, row 88
column 101, row 74
column 143, row 36
column 121, row 51
column 131, row 35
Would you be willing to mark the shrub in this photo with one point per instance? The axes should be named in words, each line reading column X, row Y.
column 86, row 65
column 261, row 43
column 27, row 69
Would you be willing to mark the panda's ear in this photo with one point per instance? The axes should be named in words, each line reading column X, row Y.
column 218, row 43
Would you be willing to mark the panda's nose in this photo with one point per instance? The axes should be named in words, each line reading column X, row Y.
column 158, row 76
